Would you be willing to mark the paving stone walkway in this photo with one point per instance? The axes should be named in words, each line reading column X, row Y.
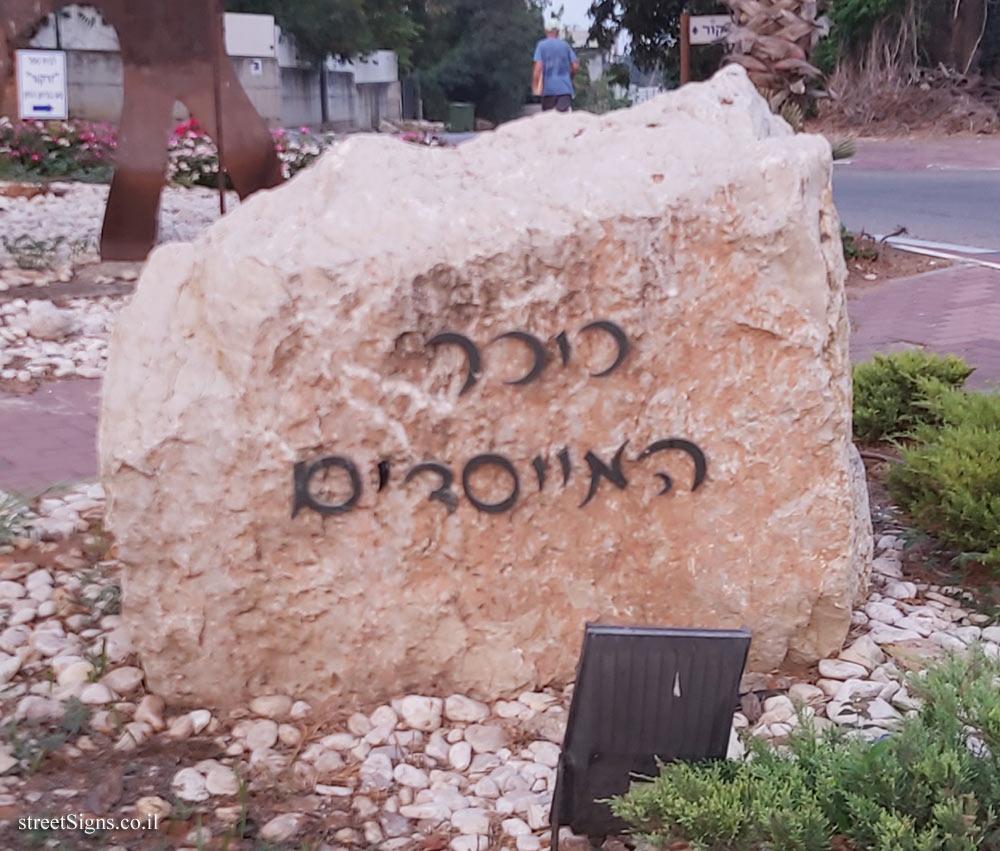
column 950, row 311
column 49, row 437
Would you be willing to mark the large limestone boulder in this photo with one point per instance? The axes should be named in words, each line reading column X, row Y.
column 700, row 234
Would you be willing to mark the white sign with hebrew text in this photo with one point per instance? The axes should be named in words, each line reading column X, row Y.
column 709, row 29
column 41, row 84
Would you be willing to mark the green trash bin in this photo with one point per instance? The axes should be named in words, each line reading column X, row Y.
column 461, row 117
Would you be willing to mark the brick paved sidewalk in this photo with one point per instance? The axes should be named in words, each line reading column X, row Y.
column 50, row 436
column 950, row 311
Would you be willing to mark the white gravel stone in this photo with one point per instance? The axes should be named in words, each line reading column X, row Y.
column 883, row 612
column 883, row 634
column 180, row 728
column 429, row 811
column 222, row 780
column 384, row 715
column 805, row 693
column 990, row 633
column 546, row 753
column 284, row 827
column 409, row 775
column 537, row 815
column 12, row 590
column 515, row 827
column 14, row 637
column 421, row 713
column 457, row 707
column 377, row 770
column 76, row 672
column 437, row 748
column 881, row 710
column 123, row 680
column 152, row 805
column 486, row 738
column 261, row 735
column 359, row 724
column 530, row 842
column 948, row 641
column 189, row 785
column 469, row 842
column 9, row 668
column 96, row 694
column 150, row 711
column 200, row 719
column 968, row 634
column 900, row 590
column 923, row 626
column 474, row 820
column 460, row 755
column 511, row 709
column 864, row 652
column 858, row 690
column 300, row 710
column 835, row 669
column 339, row 741
column 274, row 706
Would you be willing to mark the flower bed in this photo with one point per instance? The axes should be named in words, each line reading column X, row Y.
column 194, row 159
column 78, row 150
column 56, row 149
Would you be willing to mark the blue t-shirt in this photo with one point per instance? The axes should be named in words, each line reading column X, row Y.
column 556, row 57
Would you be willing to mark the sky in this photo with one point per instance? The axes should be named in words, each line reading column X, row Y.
column 575, row 12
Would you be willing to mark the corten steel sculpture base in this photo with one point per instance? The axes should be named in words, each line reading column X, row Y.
column 169, row 49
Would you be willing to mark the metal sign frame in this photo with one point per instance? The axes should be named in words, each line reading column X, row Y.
column 642, row 695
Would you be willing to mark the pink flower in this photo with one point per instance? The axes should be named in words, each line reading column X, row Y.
column 35, row 158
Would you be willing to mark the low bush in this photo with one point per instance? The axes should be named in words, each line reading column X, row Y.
column 949, row 481
column 893, row 394
column 932, row 786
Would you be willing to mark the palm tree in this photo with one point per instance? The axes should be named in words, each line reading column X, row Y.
column 773, row 39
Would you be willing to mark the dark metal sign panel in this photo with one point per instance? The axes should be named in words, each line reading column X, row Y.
column 642, row 694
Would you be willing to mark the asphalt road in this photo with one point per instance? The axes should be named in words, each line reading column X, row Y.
column 960, row 206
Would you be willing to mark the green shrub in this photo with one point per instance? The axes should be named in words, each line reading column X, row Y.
column 949, row 482
column 857, row 247
column 893, row 393
column 925, row 788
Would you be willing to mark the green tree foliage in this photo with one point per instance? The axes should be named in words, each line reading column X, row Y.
column 598, row 95
column 343, row 28
column 479, row 51
column 932, row 786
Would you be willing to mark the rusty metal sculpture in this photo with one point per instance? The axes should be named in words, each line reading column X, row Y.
column 171, row 51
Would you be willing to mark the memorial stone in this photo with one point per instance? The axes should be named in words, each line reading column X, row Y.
column 405, row 424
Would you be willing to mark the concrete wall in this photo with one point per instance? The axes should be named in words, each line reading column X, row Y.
column 94, row 85
column 261, row 79
column 300, row 97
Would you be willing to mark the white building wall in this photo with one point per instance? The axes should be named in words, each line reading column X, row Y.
column 283, row 87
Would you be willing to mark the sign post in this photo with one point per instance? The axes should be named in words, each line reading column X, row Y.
column 685, row 47
column 41, row 84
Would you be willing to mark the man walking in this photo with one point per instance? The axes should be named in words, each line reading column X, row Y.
column 555, row 66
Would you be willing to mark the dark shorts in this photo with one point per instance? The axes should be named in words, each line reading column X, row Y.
column 562, row 103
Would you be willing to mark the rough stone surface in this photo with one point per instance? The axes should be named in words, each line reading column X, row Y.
column 298, row 327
